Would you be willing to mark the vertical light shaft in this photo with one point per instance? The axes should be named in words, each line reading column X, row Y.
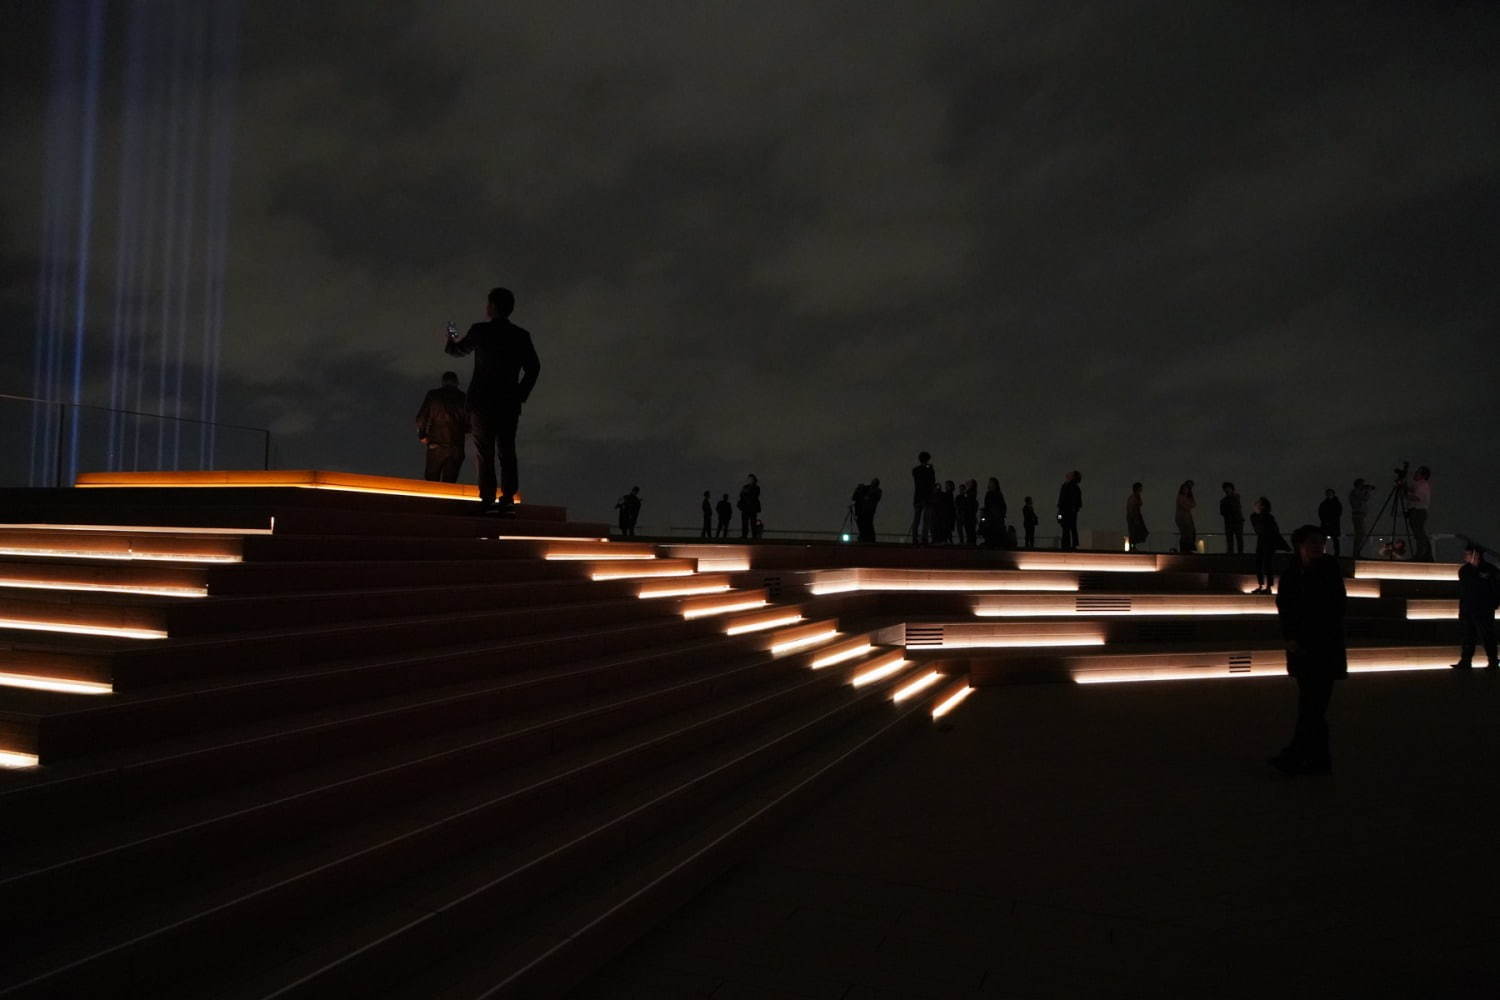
column 90, row 126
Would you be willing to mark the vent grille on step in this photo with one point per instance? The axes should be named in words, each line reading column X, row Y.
column 924, row 635
column 772, row 585
column 1118, row 605
column 1239, row 663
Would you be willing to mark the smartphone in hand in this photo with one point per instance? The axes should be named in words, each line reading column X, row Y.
column 452, row 330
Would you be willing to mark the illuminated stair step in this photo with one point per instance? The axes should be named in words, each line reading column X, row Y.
column 1392, row 570
column 724, row 603
column 778, row 616
column 845, row 650
column 120, row 544
column 599, row 550
column 881, row 667
column 1003, row 634
column 698, row 585
column 919, row 580
column 804, row 636
column 1093, row 604
column 639, row 569
column 1432, row 610
column 949, row 697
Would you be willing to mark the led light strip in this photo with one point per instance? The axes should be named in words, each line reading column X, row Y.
column 611, row 574
column 802, row 642
column 880, row 672
column 1218, row 673
column 108, row 588
column 839, row 657
column 1138, row 612
column 10, row 759
column 711, row 588
column 34, row 683
column 137, row 529
column 763, row 625
column 119, row 556
column 917, row 686
column 590, row 556
column 951, row 702
column 720, row 609
column 1024, row 642
column 118, row 632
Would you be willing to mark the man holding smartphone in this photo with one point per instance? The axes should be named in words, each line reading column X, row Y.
column 505, row 371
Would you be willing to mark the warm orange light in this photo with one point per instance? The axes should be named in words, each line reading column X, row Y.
column 951, row 702
column 52, row 552
column 636, row 574
column 802, row 642
column 844, row 581
column 598, row 555
column 720, row 609
column 1430, row 610
column 137, row 529
column 1088, row 562
column 728, row 564
column 315, row 479
column 882, row 668
column 34, row 683
column 109, row 588
column 114, row 631
column 1376, row 570
column 10, row 759
column 762, row 625
column 1121, row 605
column 673, row 591
column 917, row 686
column 853, row 652
column 1023, row 641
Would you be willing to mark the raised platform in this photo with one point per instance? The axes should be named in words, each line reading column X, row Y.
column 354, row 736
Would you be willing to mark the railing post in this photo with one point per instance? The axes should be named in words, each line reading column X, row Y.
column 61, row 420
column 267, row 462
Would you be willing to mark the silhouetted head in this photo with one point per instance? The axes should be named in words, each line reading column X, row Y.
column 634, row 490
column 726, row 496
column 705, row 494
column 1228, row 487
column 1027, row 500
column 1186, row 489
column 1330, row 494
column 1358, row 483
column 1308, row 542
column 502, row 302
column 752, row 478
column 1423, row 472
column 1263, row 505
column 993, row 484
column 924, row 458
column 1135, row 487
column 875, row 482
column 1473, row 553
column 1076, row 476
column 450, row 378
column 948, row 486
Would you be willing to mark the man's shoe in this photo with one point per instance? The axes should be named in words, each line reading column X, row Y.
column 1462, row 665
column 1286, row 764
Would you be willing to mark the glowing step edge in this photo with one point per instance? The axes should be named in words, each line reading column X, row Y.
column 117, row 556
column 802, row 642
column 107, row 588
column 721, row 609
column 639, row 574
column 721, row 588
column 880, row 673
column 105, row 630
column 762, row 626
column 10, row 759
column 917, row 686
column 841, row 656
column 34, row 683
column 951, row 702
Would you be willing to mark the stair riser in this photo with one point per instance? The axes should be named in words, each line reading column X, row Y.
column 97, row 881
column 251, row 579
column 405, row 953
column 62, row 736
column 43, row 811
column 331, row 548
column 140, row 965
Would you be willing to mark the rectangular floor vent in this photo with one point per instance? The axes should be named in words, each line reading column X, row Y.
column 1239, row 663
column 773, row 586
column 924, row 635
column 1117, row 605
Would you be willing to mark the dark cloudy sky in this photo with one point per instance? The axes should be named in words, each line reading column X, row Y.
column 1152, row 241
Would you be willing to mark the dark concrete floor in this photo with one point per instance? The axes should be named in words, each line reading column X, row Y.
column 1122, row 841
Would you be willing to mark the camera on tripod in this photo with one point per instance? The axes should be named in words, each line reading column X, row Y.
column 1400, row 473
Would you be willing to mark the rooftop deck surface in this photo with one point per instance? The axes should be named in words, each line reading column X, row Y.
column 1124, row 841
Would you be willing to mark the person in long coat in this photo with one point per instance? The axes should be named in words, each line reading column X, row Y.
column 1310, row 605
column 749, row 505
column 1187, row 531
column 1135, row 521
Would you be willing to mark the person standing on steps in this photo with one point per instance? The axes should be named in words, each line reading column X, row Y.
column 1310, row 605
column 992, row 525
column 1028, row 523
column 505, row 371
column 924, row 482
column 1330, row 513
column 749, row 505
column 1135, row 519
column 1359, row 505
column 1478, row 597
column 442, row 425
column 864, row 510
column 1418, row 500
column 1268, row 542
column 1187, row 530
column 1234, row 520
column 708, row 516
column 1069, row 503
column 629, row 507
column 725, row 510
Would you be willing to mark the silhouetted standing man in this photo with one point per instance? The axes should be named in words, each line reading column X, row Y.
column 1028, row 522
column 1418, row 500
column 505, row 371
column 1310, row 603
column 1233, row 513
column 442, row 423
column 1478, row 596
column 1359, row 500
column 708, row 516
column 923, row 482
column 629, row 507
column 864, row 510
column 1069, row 503
column 1330, row 513
column 725, row 510
column 749, row 505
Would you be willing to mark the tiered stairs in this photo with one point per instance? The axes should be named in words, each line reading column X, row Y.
column 293, row 743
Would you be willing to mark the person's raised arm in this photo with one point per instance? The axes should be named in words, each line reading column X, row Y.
column 462, row 347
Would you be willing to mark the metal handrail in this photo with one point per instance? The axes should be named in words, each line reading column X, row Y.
column 60, row 403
